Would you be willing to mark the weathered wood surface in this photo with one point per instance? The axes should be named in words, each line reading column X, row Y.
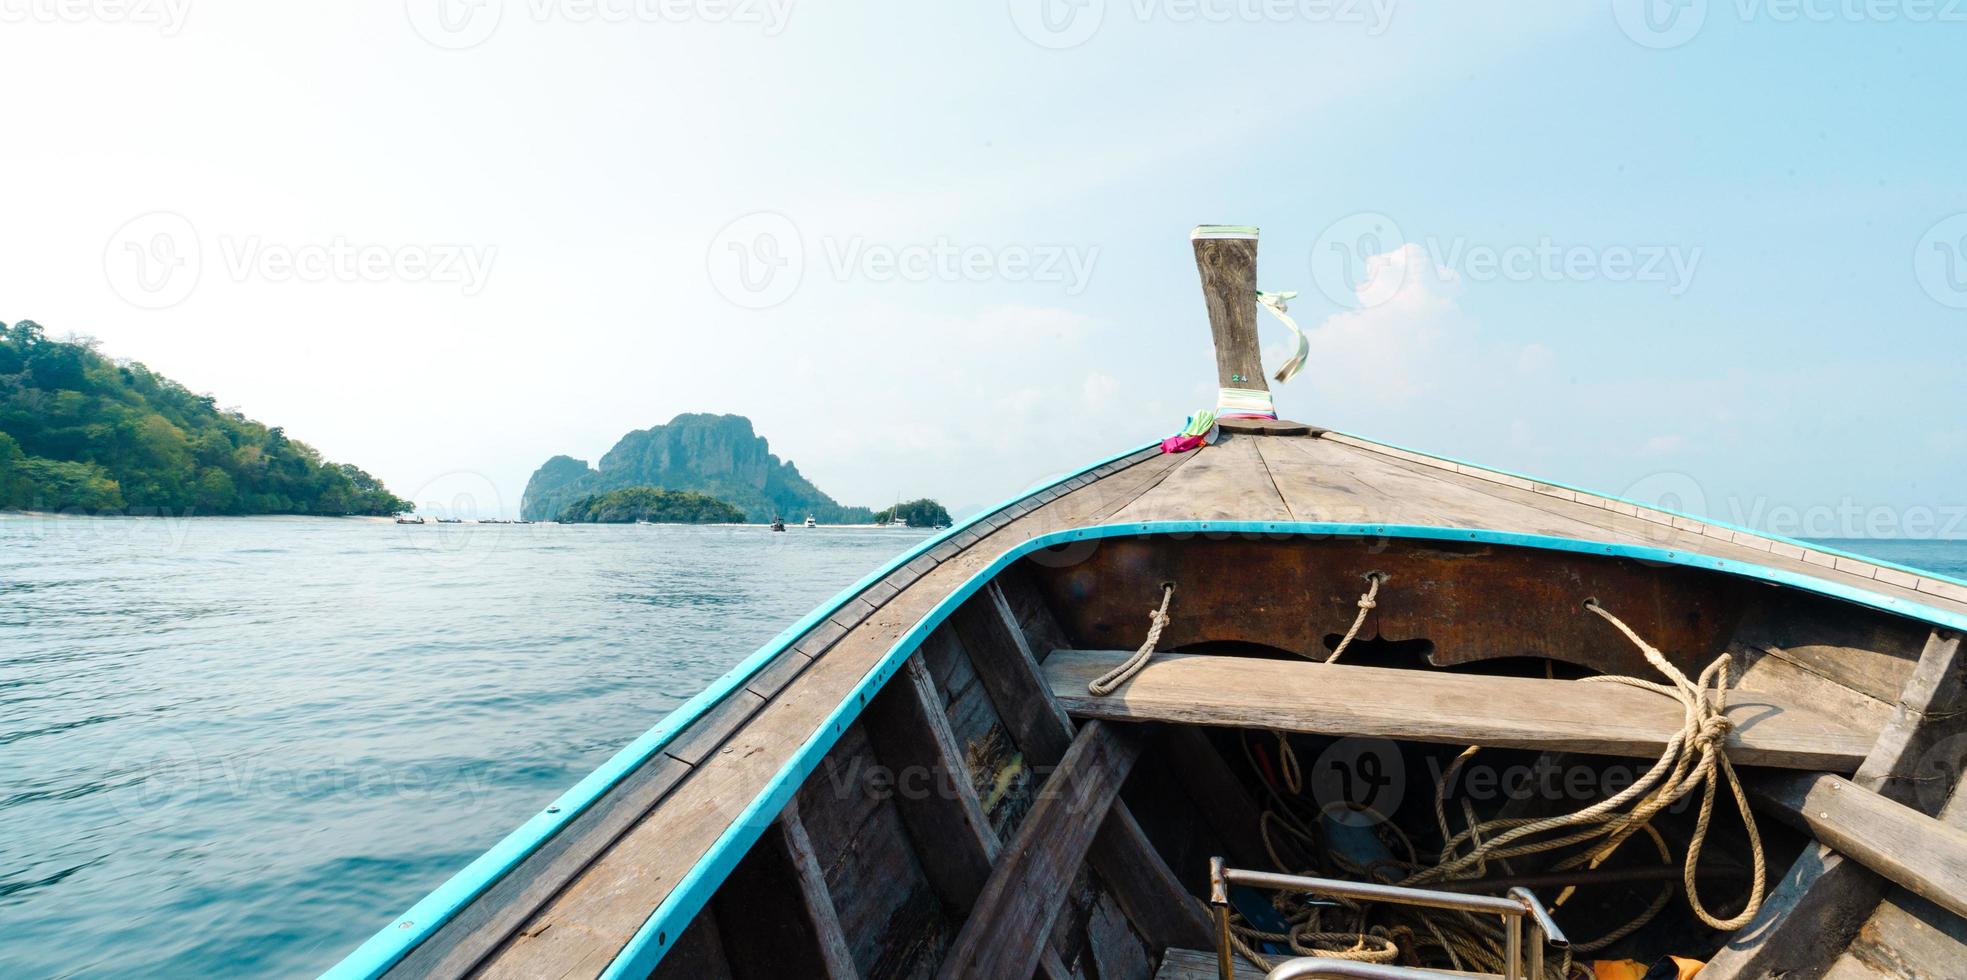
column 1223, row 482
column 1454, row 709
column 1200, row 964
column 1154, row 900
column 1620, row 522
column 1820, row 904
column 1228, row 267
column 1908, row 848
column 1008, row 927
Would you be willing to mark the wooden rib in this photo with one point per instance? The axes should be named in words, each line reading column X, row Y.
column 835, row 954
column 1454, row 709
column 1908, row 848
column 1821, row 902
column 1154, row 900
column 581, row 930
column 910, row 732
column 1226, row 481
column 1007, row 930
column 1222, row 800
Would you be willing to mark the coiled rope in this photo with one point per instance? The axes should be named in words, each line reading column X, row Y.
column 1157, row 620
column 1694, row 758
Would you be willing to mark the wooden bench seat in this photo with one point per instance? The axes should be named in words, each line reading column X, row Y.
column 1431, row 706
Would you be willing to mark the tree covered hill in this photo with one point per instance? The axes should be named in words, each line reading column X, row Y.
column 718, row 455
column 79, row 431
column 914, row 513
column 653, row 504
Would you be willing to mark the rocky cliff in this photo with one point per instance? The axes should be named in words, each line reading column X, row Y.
column 717, row 455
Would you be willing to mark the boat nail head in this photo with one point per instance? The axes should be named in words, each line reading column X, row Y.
column 553, row 809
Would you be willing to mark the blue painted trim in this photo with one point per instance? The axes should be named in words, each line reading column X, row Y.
column 394, row 941
column 645, row 950
column 1798, row 542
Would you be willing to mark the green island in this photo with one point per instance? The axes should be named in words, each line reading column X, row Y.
column 653, row 504
column 914, row 513
column 82, row 432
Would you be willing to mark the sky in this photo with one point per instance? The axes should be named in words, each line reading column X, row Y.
column 1707, row 252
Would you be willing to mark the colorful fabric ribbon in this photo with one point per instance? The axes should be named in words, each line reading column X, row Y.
column 1200, row 431
column 1278, row 304
column 1244, row 403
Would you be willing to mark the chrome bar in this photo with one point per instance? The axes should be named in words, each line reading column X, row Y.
column 1372, row 892
column 1552, row 935
column 1305, row 967
column 1513, row 947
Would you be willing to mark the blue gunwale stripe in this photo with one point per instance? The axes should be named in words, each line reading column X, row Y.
column 646, row 949
column 405, row 932
column 1794, row 542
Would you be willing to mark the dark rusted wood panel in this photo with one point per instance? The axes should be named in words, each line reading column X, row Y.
column 1472, row 601
column 1008, row 928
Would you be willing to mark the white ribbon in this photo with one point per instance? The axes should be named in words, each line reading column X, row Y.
column 1277, row 304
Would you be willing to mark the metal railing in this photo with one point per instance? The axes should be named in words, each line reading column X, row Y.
column 1518, row 905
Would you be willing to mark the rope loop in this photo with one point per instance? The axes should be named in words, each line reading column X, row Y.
column 1367, row 603
column 1157, row 620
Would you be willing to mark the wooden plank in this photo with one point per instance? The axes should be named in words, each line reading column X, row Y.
column 1007, row 930
column 1199, row 964
column 1225, row 805
column 1908, row 848
column 1228, row 267
column 1122, row 855
column 1821, row 902
column 1454, row 709
column 495, row 915
column 912, row 735
column 1223, row 482
column 835, row 954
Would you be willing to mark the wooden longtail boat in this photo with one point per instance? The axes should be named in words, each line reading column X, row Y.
column 915, row 779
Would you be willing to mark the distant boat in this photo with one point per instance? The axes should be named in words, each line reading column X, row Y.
column 810, row 522
column 448, row 520
column 778, row 524
column 409, row 520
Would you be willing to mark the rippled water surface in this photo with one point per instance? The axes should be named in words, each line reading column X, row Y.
column 238, row 746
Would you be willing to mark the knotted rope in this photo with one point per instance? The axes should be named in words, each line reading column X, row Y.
column 1367, row 603
column 1157, row 620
